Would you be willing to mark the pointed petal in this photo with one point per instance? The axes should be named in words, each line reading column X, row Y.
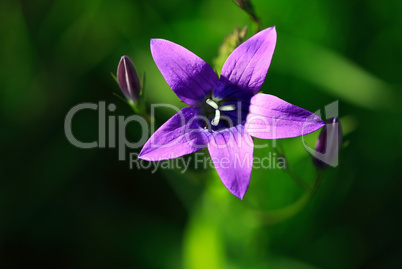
column 190, row 77
column 246, row 68
column 270, row 118
column 179, row 136
column 231, row 151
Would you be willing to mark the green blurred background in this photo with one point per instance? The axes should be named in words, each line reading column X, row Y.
column 65, row 207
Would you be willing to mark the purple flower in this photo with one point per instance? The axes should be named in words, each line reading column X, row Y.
column 224, row 112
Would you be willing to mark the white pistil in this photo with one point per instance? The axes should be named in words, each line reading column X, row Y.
column 212, row 103
column 227, row 108
column 215, row 121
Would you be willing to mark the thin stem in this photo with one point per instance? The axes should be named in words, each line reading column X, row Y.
column 294, row 176
column 276, row 216
column 257, row 22
column 298, row 179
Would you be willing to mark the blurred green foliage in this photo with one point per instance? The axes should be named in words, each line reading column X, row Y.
column 65, row 207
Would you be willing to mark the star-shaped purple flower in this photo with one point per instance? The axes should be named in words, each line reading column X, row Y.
column 224, row 112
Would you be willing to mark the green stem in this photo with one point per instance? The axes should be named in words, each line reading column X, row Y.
column 276, row 216
column 282, row 214
column 257, row 22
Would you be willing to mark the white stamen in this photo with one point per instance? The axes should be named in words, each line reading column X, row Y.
column 215, row 121
column 212, row 103
column 227, row 108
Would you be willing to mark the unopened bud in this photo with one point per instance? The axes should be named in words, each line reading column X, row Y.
column 328, row 144
column 128, row 80
column 244, row 4
column 248, row 7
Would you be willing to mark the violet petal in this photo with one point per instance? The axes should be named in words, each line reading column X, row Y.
column 178, row 136
column 271, row 117
column 231, row 151
column 247, row 66
column 190, row 77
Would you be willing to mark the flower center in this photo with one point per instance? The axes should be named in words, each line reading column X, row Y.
column 218, row 109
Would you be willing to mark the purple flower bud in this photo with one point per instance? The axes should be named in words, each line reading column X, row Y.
column 128, row 80
column 247, row 6
column 328, row 144
column 244, row 4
